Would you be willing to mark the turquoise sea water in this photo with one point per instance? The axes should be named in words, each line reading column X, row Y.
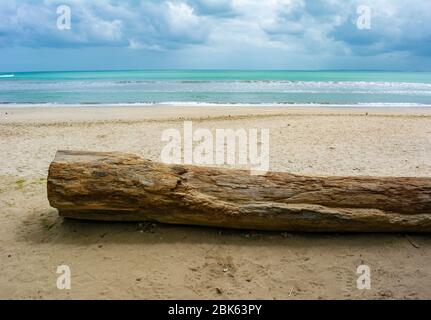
column 217, row 87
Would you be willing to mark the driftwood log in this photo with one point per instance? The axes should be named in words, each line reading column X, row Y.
column 123, row 187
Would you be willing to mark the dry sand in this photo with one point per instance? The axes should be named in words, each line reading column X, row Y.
column 125, row 260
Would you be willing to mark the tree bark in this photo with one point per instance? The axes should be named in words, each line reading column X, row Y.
column 123, row 187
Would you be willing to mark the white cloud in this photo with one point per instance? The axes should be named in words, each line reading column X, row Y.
column 292, row 26
column 183, row 22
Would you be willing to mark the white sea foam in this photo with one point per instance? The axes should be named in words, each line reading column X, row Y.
column 211, row 104
column 217, row 92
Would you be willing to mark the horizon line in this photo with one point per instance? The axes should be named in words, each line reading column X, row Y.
column 217, row 69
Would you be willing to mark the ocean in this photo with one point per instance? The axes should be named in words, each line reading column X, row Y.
column 193, row 87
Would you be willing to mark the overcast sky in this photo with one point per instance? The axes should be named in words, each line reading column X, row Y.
column 206, row 34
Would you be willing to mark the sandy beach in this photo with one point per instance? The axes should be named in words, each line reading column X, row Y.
column 153, row 261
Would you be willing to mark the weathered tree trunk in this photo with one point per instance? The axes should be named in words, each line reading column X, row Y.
column 124, row 187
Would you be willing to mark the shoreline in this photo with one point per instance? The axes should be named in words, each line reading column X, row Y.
column 106, row 113
column 215, row 104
